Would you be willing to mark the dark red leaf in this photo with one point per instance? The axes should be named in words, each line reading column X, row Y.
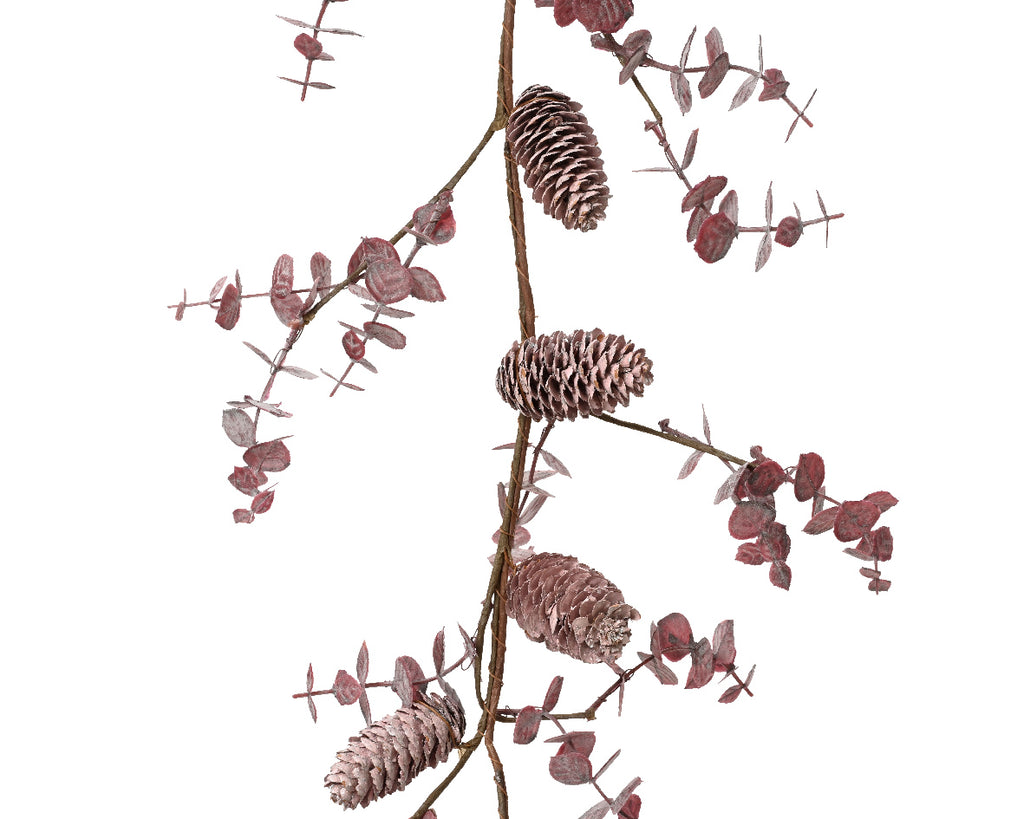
column 715, row 238
column 347, row 689
column 855, row 519
column 748, row 518
column 750, row 553
column 697, row 217
column 438, row 651
column 766, row 477
column 606, row 16
column 810, row 475
column 681, row 92
column 631, row 810
column 723, row 644
column 774, row 541
column 730, row 207
column 570, row 768
column 320, row 268
column 883, row 500
column 527, row 725
column 879, row 585
column 271, row 456
column 230, row 307
column 703, row 668
column 353, row 344
column 388, row 336
column 443, row 228
column 635, row 46
column 247, row 480
column 714, row 75
column 691, row 147
column 780, row 574
column 731, row 693
column 775, row 85
column 244, row 516
column 864, row 570
column 425, row 286
column 577, row 742
column 823, row 521
column 704, row 192
column 388, row 280
column 408, row 680
column 551, row 697
column 370, row 250
column 881, row 543
column 262, row 502
column 713, row 44
column 308, row 47
column 789, row 231
column 672, row 638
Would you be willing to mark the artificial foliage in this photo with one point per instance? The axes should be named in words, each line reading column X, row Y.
column 545, row 377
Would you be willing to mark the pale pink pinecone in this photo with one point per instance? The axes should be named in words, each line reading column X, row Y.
column 568, row 374
column 556, row 148
column 571, row 607
column 389, row 753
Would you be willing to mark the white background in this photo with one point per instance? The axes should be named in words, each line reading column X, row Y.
column 150, row 645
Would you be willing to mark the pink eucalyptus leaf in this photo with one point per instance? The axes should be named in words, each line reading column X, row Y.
column 673, row 637
column 363, row 663
column 690, row 465
column 883, row 500
column 750, row 553
column 855, row 519
column 730, row 206
column 723, row 644
column 764, row 251
column 354, row 346
column 688, row 152
column 553, row 692
column 789, row 231
column 386, row 335
column 713, row 76
column 388, row 280
column 774, row 541
column 681, row 91
column 822, row 522
column 704, row 192
column 766, row 478
column 715, row 238
column 247, row 480
column 744, row 92
column 748, row 518
column 272, row 456
column 570, row 768
column 262, row 502
column 527, row 725
column 215, row 290
column 308, row 47
column 810, row 475
column 697, row 217
column 780, row 575
column 425, row 286
column 703, row 668
column 230, row 307
column 731, row 693
column 370, row 250
column 442, row 230
column 244, row 516
column 347, row 689
column 714, row 45
column 320, row 269
column 879, row 585
column 881, row 541
column 775, row 85
column 577, row 742
column 239, row 427
column 631, row 809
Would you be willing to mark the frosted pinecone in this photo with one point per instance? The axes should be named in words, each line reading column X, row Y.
column 564, row 375
column 389, row 753
column 561, row 162
column 571, row 607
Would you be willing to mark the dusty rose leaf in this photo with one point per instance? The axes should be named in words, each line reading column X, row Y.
column 388, row 280
column 690, row 465
column 259, row 352
column 247, row 480
column 408, row 680
column 688, row 152
column 673, row 637
column 704, row 192
column 730, row 206
column 353, row 345
column 665, row 675
column 703, row 668
column 425, row 286
column 774, row 541
column 312, row 707
column 750, row 553
column 728, row 488
column 789, row 231
column 713, row 76
column 579, row 742
column 883, row 500
column 780, row 574
column 527, row 725
column 272, row 456
column 370, row 250
column 243, row 516
column 570, row 768
column 859, row 553
column 879, row 585
column 744, row 92
column 230, row 307
column 607, row 765
column 823, row 521
column 320, row 270
column 553, row 692
column 531, row 510
column 308, row 47
column 681, row 92
column 287, row 305
column 855, row 519
column 731, row 693
column 347, row 689
column 769, row 206
column 272, row 409
column 262, row 502
column 766, row 478
column 630, row 810
column 215, row 290
column 386, row 335
column 438, row 651
column 697, row 217
column 723, row 644
column 239, row 427
column 714, row 45
column 881, row 542
column 554, row 463
column 636, row 46
column 775, row 85
column 624, row 802
column 288, row 310
column 864, row 570
column 810, row 475
column 715, row 238
column 443, row 229
column 387, row 310
column 606, row 16
column 748, row 518
column 764, row 251
column 298, row 372
column 363, row 663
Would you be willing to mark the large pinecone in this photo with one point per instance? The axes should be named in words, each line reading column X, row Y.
column 571, row 607
column 389, row 753
column 564, row 375
column 557, row 150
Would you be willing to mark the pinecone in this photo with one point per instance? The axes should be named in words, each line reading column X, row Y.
column 389, row 753
column 557, row 150
column 564, row 375
column 571, row 607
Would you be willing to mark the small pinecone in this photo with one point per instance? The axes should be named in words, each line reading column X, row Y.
column 557, row 150
column 389, row 753
column 564, row 375
column 571, row 607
